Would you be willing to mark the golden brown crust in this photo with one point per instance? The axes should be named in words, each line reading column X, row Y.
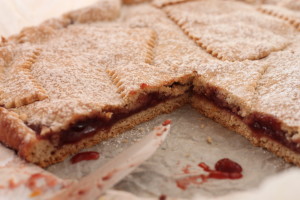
column 109, row 65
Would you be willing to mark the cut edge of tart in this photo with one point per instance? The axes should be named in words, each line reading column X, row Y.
column 41, row 151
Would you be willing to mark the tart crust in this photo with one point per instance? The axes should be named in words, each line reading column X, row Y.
column 97, row 61
column 43, row 153
column 235, row 123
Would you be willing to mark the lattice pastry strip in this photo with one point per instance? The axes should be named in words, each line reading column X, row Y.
column 162, row 3
column 18, row 86
column 286, row 13
column 103, row 10
column 225, row 32
column 78, row 79
column 135, row 1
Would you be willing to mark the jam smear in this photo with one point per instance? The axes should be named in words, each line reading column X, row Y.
column 32, row 182
column 109, row 175
column 224, row 169
column 88, row 155
column 186, row 169
column 167, row 122
column 162, row 197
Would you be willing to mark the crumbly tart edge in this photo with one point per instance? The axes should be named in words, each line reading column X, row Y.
column 43, row 153
column 293, row 21
column 233, row 123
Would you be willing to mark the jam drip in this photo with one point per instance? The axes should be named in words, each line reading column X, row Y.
column 224, row 169
column 88, row 155
column 259, row 123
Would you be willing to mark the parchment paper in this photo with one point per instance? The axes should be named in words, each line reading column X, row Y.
column 187, row 143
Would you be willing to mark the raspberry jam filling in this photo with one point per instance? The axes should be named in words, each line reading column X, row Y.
column 90, row 126
column 259, row 123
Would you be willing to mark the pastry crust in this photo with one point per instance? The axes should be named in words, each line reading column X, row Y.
column 44, row 153
column 283, row 11
column 234, row 123
column 101, row 70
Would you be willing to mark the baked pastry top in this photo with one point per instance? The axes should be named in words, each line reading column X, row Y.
column 70, row 78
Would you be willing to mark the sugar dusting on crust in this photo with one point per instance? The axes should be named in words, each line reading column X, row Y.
column 87, row 70
column 227, row 78
column 162, row 3
column 174, row 55
column 17, row 86
column 278, row 90
column 78, row 83
column 221, row 29
column 287, row 12
column 102, row 10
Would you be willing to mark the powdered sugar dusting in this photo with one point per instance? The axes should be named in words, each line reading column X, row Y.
column 288, row 12
column 222, row 29
column 77, row 82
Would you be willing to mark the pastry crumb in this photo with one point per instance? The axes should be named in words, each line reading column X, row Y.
column 209, row 140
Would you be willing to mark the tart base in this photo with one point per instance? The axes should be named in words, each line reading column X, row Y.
column 43, row 153
column 236, row 124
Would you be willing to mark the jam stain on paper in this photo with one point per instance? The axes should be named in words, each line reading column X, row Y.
column 224, row 169
column 84, row 156
column 167, row 122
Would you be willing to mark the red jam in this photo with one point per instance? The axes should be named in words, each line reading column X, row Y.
column 162, row 197
column 186, row 169
column 224, row 169
column 167, row 122
column 259, row 123
column 228, row 166
column 88, row 155
column 143, row 85
column 109, row 175
column 88, row 127
column 32, row 181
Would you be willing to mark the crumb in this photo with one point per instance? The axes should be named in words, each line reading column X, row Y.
column 202, row 125
column 124, row 141
column 209, row 140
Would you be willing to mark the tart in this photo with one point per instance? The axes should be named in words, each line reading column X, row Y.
column 93, row 73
